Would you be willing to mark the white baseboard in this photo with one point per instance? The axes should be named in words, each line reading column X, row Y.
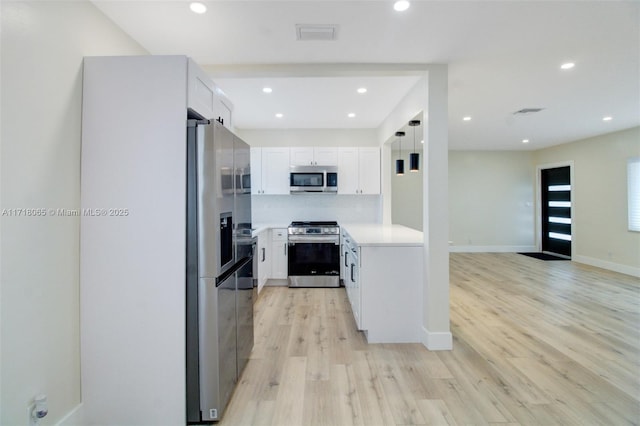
column 437, row 341
column 611, row 266
column 274, row 282
column 492, row 249
column 74, row 417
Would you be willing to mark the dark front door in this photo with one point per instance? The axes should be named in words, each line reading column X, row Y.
column 556, row 210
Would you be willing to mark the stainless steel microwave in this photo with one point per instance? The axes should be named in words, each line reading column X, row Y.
column 303, row 179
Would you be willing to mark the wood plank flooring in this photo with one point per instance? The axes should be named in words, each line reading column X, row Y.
column 535, row 343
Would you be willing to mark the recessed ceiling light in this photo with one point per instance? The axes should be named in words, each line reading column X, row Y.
column 401, row 5
column 279, row 115
column 362, row 90
column 567, row 65
column 421, row 141
column 197, row 7
column 267, row 89
column 525, row 140
column 607, row 118
column 467, row 118
column 351, row 115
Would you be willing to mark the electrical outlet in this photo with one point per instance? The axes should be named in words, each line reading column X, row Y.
column 30, row 420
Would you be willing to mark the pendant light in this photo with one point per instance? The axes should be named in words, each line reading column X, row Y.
column 414, row 157
column 400, row 161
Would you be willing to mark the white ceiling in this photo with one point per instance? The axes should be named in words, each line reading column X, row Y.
column 502, row 57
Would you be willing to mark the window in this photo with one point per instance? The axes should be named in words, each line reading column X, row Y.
column 633, row 194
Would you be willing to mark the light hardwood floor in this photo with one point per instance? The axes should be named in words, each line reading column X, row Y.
column 537, row 343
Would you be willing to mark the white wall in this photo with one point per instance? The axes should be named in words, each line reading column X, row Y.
column 43, row 44
column 491, row 201
column 600, row 233
column 407, row 191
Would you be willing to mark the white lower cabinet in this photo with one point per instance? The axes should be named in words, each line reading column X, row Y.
column 384, row 287
column 279, row 250
column 263, row 257
column 349, row 270
column 352, row 282
column 344, row 256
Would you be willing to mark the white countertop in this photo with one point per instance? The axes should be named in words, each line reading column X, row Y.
column 259, row 227
column 384, row 235
column 368, row 234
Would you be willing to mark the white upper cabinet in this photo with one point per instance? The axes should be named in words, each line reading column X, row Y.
column 348, row 181
column 201, row 91
column 301, row 156
column 256, row 170
column 369, row 170
column 205, row 98
column 326, row 156
column 314, row 156
column 223, row 110
column 269, row 171
column 358, row 170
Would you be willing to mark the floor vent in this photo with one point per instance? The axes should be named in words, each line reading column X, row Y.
column 316, row 32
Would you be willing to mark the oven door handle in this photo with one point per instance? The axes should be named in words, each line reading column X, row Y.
column 293, row 239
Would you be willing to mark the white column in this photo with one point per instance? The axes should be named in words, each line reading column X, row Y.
column 437, row 335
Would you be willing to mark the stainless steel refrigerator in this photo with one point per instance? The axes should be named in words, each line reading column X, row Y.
column 220, row 269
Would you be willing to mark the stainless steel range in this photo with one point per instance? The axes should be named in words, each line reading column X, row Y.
column 314, row 254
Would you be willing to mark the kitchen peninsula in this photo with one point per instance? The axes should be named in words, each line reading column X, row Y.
column 383, row 276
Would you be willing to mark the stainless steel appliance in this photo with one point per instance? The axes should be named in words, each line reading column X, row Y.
column 220, row 271
column 314, row 254
column 323, row 179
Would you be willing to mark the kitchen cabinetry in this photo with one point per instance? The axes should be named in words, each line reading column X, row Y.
column 314, row 156
column 223, row 110
column 269, row 171
column 358, row 170
column 384, row 281
column 204, row 97
column 263, row 257
column 279, row 253
column 343, row 256
column 351, row 262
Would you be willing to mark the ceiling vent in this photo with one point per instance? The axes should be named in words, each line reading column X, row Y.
column 528, row 111
column 316, row 32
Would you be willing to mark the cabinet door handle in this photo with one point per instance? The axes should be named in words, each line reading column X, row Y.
column 264, row 255
column 345, row 258
column 352, row 280
column 285, row 249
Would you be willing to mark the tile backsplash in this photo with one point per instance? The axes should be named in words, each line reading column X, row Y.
column 283, row 209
